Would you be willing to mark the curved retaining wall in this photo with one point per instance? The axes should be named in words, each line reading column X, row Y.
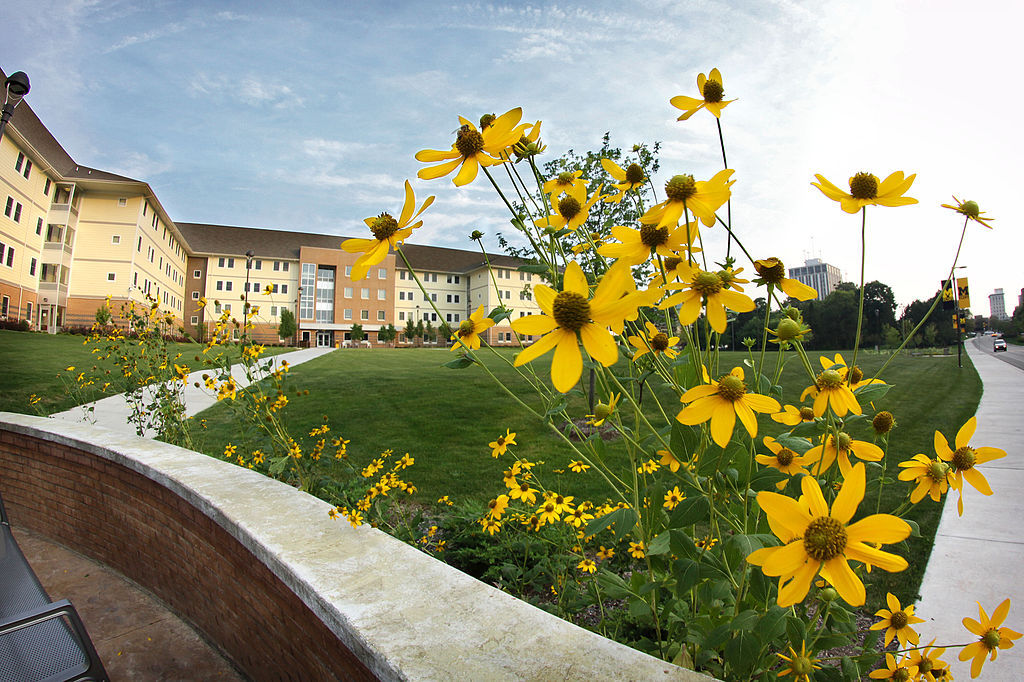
column 284, row 591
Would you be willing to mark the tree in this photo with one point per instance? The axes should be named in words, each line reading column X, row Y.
column 879, row 312
column 387, row 334
column 419, row 330
column 428, row 332
column 357, row 334
column 103, row 316
column 410, row 331
column 286, row 327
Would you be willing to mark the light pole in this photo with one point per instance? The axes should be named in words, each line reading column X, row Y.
column 249, row 255
column 959, row 330
column 16, row 87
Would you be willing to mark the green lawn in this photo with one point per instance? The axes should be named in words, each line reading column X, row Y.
column 35, row 363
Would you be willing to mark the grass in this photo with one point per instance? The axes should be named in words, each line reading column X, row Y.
column 35, row 363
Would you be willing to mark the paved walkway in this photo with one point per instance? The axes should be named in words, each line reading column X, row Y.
column 113, row 412
column 980, row 556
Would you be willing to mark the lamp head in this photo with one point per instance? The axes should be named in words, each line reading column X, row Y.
column 17, row 86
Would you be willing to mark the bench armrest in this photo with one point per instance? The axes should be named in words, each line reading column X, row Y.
column 93, row 670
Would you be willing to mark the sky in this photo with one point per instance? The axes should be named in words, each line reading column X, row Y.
column 306, row 116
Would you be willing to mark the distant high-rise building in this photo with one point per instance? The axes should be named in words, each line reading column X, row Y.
column 818, row 275
column 996, row 305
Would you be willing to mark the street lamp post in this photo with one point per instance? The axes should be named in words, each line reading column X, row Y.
column 959, row 331
column 16, row 87
column 249, row 255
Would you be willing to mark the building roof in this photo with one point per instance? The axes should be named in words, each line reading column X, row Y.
column 206, row 239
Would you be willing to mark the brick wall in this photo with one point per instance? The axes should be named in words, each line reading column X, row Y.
column 147, row 532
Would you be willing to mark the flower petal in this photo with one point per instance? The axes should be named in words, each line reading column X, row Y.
column 599, row 343
column 533, row 325
column 539, row 348
column 963, row 436
column 842, row 577
column 850, row 496
column 567, row 365
column 575, row 281
column 815, row 500
column 884, row 528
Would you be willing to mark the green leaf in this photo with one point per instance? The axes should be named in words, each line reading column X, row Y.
column 772, row 624
column 557, row 405
column 805, row 429
column 660, row 544
column 687, row 574
column 797, row 445
column 614, row 586
column 535, row 268
column 850, row 668
column 746, row 620
column 461, row 362
column 684, row 441
column 871, row 392
column 796, row 630
column 624, row 520
column 915, row 530
column 500, row 314
column 741, row 652
column 690, row 511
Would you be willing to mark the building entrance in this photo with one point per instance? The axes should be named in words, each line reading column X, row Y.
column 323, row 339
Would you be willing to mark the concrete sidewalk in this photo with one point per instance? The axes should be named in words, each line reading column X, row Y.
column 114, row 412
column 980, row 556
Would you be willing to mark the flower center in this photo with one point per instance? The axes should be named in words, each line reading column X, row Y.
column 771, row 270
column 653, row 236
column 829, row 379
column 469, row 141
column 788, row 329
column 842, row 442
column 901, row 674
column 383, row 227
column 963, row 458
column 466, row 328
column 659, row 341
column 713, row 91
column 883, row 422
column 486, row 120
column 571, row 311
column 568, row 207
column 806, row 414
column 565, row 178
column 924, row 665
column 785, row 457
column 801, row 665
column 681, row 187
column 937, row 470
column 991, row 639
column 707, row 283
column 671, row 263
column 500, row 441
column 824, row 539
column 864, row 186
column 970, row 208
column 731, row 387
column 635, row 175
column 898, row 620
column 856, row 375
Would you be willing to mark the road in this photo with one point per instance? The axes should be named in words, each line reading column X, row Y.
column 1014, row 354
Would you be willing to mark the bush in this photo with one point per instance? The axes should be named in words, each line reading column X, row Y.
column 15, row 325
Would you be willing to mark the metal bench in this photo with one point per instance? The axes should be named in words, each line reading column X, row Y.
column 39, row 639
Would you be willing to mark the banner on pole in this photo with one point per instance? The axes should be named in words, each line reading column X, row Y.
column 948, row 295
column 963, row 294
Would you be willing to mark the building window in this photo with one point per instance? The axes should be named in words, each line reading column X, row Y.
column 284, row 266
column 227, row 285
column 382, row 295
column 194, row 319
column 380, row 315
column 306, row 290
column 5, row 304
column 115, row 239
column 39, row 226
column 46, row 187
column 21, row 160
column 277, row 265
column 220, row 262
column 382, row 273
column 195, row 295
column 364, row 293
column 348, row 313
column 231, row 262
column 401, row 275
column 364, row 314
column 257, row 264
column 220, row 285
column 9, row 207
column 196, row 274
column 348, row 270
column 28, row 169
column 32, row 267
column 17, row 212
column 401, row 316
column 453, row 279
column 456, row 317
column 122, row 201
column 10, row 256
column 348, row 292
column 508, row 294
column 433, row 297
column 284, row 288
column 111, row 277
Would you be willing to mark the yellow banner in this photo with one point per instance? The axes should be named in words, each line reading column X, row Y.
column 963, row 293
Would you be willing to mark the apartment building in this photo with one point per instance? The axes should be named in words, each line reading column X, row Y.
column 72, row 236
column 819, row 275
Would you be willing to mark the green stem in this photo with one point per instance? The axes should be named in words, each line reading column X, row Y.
column 860, row 308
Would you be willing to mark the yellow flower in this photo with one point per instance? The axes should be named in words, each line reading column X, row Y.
column 992, row 636
column 523, row 491
column 570, row 211
column 791, row 416
column 969, row 209
column 496, row 508
column 603, row 410
column 896, row 621
column 929, row 667
column 721, row 402
column 711, row 91
column 706, row 542
column 817, row 538
column 473, row 148
column 648, row 467
column 568, row 313
column 902, row 671
column 706, row 289
column 605, row 553
column 701, row 198
column 657, row 341
column 468, row 332
column 840, row 447
column 673, row 498
column 201, row 304
column 932, row 477
column 782, row 458
column 578, row 467
column 268, row 290
column 628, row 179
column 636, row 550
column 773, row 271
column 548, row 513
column 490, row 525
column 587, row 566
column 500, row 445
column 964, row 459
column 866, row 190
column 831, row 390
column 387, row 234
column 566, row 183
column 636, row 246
column 801, row 665
column 669, row 460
